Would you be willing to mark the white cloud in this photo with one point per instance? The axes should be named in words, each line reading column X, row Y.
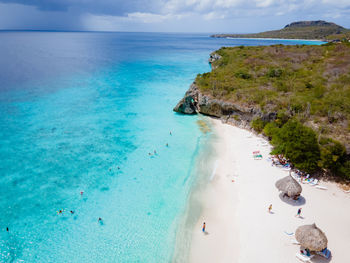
column 264, row 3
column 337, row 3
column 200, row 6
column 147, row 17
column 186, row 14
column 214, row 15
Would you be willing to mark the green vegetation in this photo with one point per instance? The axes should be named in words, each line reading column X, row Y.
column 298, row 143
column 301, row 30
column 308, row 89
column 258, row 125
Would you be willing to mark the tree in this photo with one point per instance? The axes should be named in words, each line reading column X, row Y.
column 299, row 144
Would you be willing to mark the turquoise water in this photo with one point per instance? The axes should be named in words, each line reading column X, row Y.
column 82, row 112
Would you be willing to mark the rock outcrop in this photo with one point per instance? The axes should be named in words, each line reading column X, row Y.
column 195, row 101
column 213, row 57
column 188, row 104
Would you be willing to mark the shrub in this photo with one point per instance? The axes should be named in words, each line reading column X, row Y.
column 344, row 170
column 274, row 73
column 308, row 85
column 332, row 154
column 281, row 119
column 258, row 125
column 243, row 75
column 270, row 129
column 299, row 144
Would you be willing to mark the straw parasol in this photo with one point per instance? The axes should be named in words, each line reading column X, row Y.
column 311, row 237
column 289, row 186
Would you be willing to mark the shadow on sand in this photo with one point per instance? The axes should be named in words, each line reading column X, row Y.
column 320, row 259
column 301, row 200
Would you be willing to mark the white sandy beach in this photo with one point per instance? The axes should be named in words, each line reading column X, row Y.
column 239, row 227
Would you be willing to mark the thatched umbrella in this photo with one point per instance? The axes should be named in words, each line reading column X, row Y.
column 311, row 237
column 289, row 186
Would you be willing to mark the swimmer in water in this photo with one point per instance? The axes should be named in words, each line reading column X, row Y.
column 170, row 133
column 81, row 193
column 167, row 145
column 99, row 219
column 7, row 229
column 72, row 212
column 155, row 152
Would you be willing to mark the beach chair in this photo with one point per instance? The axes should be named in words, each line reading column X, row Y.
column 294, row 241
column 304, row 258
column 257, row 155
column 324, row 253
column 313, row 182
column 321, row 187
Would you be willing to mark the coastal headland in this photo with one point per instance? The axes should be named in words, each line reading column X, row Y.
column 321, row 30
column 297, row 96
column 269, row 95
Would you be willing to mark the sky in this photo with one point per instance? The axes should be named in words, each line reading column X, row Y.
column 235, row 16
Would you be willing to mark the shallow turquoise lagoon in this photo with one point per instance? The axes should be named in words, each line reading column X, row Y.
column 80, row 112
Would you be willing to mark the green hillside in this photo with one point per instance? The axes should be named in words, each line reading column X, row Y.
column 306, row 84
column 300, row 30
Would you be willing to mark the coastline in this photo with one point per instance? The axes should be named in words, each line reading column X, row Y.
column 268, row 38
column 239, row 227
column 200, row 175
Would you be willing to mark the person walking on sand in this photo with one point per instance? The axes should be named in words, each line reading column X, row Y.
column 270, row 208
column 298, row 213
column 203, row 228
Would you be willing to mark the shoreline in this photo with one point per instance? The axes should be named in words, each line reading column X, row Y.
column 268, row 38
column 239, row 227
column 202, row 172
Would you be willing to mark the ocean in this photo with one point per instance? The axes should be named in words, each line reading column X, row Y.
column 87, row 131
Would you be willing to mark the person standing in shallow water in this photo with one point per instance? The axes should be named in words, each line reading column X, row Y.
column 203, row 228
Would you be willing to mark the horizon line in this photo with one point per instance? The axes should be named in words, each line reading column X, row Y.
column 102, row 31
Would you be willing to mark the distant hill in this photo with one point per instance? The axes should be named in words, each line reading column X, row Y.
column 321, row 30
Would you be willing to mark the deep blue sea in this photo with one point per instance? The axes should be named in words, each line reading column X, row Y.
column 82, row 112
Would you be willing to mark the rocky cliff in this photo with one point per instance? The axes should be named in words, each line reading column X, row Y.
column 195, row 102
